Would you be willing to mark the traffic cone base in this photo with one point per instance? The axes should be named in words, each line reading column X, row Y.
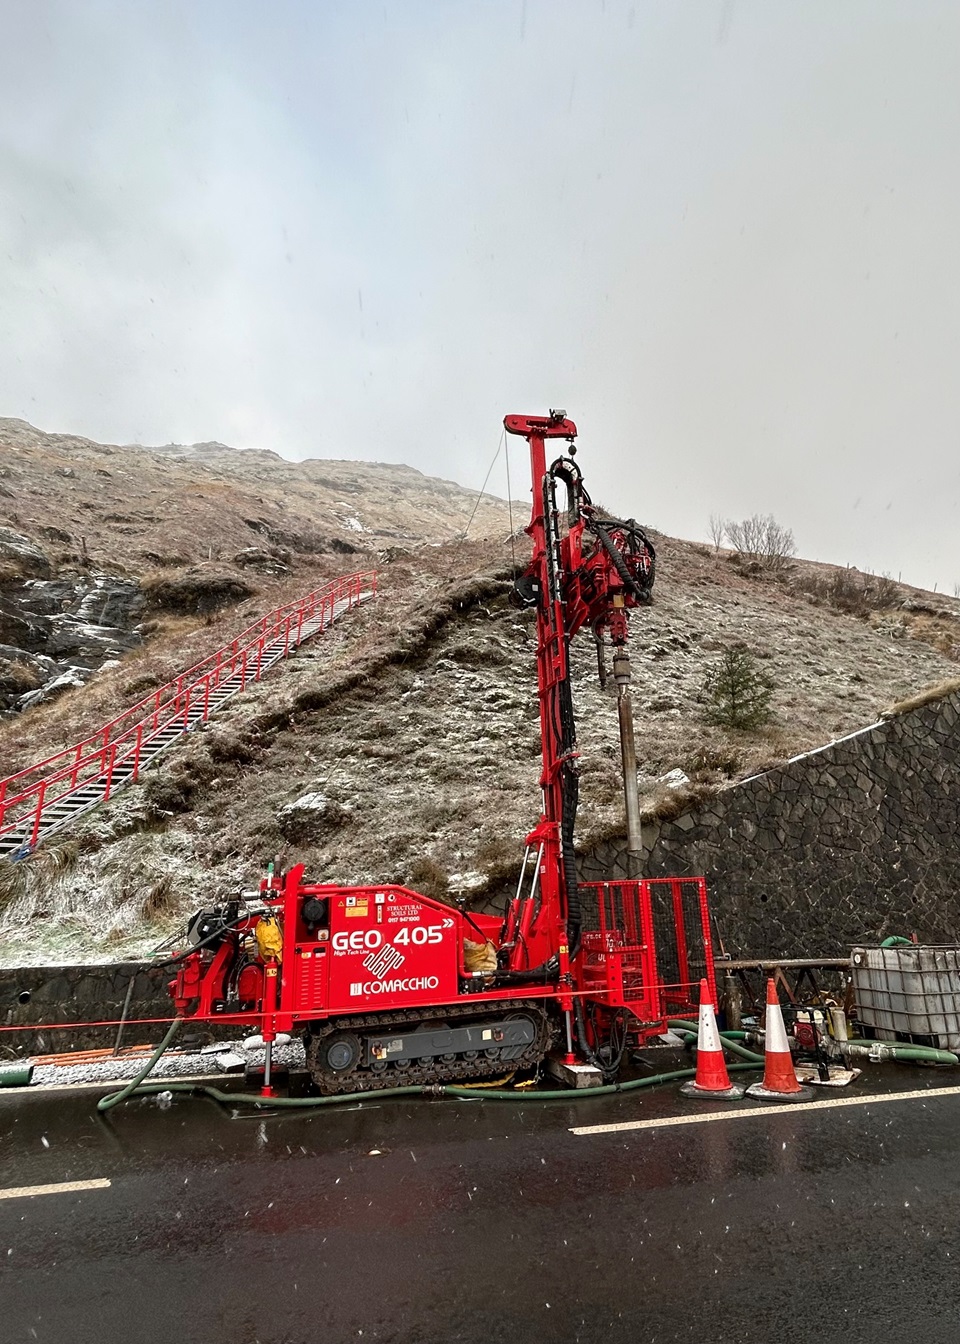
column 693, row 1089
column 712, row 1082
column 763, row 1093
column 779, row 1076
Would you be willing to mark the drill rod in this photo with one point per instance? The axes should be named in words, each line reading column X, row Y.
column 628, row 754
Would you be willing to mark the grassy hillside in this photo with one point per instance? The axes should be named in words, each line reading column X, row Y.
column 404, row 745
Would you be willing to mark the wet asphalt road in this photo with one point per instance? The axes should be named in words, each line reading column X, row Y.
column 483, row 1222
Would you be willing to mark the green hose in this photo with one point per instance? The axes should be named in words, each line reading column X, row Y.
column 114, row 1099
column 896, row 941
column 690, row 1030
column 382, row 1093
column 15, row 1075
column 140, row 1088
column 924, row 1052
column 137, row 1086
column 898, row 1051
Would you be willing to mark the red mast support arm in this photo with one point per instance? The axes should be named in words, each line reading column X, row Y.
column 552, row 640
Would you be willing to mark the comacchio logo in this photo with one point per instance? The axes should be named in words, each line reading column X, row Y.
column 407, row 986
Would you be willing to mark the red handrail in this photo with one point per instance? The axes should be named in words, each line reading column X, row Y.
column 25, row 796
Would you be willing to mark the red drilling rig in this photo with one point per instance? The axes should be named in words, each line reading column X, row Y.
column 392, row 987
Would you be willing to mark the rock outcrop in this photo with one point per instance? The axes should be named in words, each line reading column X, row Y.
column 57, row 630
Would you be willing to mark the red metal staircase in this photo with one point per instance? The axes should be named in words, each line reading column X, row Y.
column 44, row 798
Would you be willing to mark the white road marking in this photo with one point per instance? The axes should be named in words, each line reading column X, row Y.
column 60, row 1188
column 771, row 1109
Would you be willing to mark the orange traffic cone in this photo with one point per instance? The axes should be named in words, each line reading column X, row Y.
column 779, row 1077
column 712, row 1081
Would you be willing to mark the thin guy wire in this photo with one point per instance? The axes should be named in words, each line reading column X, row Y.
column 483, row 487
column 513, row 543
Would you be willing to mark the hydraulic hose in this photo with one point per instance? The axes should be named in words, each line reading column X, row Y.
column 599, row 529
column 690, row 1029
column 431, row 1091
column 545, row 974
column 582, row 1039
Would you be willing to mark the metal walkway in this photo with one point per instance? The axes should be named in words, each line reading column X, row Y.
column 44, row 799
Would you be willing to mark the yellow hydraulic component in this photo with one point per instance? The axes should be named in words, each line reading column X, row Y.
column 269, row 938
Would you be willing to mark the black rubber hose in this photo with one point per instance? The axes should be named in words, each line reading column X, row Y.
column 544, row 974
column 585, row 1046
column 629, row 582
column 569, row 801
column 182, row 956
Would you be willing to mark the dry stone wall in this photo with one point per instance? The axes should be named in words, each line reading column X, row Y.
column 852, row 842
column 34, row 997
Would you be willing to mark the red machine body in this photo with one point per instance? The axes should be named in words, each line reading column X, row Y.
column 389, row 985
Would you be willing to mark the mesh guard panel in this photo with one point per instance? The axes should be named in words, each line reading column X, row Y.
column 648, row 942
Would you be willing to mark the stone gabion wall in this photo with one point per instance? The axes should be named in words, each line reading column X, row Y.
column 37, row 996
column 847, row 844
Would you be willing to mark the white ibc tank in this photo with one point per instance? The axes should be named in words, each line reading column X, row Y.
column 909, row 990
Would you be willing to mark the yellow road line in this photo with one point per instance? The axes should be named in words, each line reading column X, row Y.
column 59, row 1188
column 773, row 1108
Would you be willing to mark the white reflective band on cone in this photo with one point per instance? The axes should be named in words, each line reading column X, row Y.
column 777, row 1043
column 708, row 1038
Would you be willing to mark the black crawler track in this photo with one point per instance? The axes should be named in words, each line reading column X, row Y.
column 365, row 1079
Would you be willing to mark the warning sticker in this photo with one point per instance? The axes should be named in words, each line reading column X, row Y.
column 359, row 908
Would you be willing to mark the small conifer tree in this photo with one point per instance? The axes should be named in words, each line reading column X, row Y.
column 737, row 691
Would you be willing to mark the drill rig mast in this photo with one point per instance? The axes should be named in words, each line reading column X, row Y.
column 587, row 569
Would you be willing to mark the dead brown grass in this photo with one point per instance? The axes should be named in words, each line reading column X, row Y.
column 668, row 804
column 17, row 677
column 929, row 696
column 162, row 899
column 941, row 632
column 396, row 641
column 429, row 877
column 850, row 590
column 13, row 882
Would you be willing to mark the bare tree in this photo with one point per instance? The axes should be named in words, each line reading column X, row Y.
column 718, row 530
column 763, row 539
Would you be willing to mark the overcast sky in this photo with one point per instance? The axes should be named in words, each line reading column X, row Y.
column 724, row 235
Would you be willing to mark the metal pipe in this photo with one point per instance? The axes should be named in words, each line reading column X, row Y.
column 568, row 1022
column 628, row 754
column 523, row 872
column 123, row 1015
